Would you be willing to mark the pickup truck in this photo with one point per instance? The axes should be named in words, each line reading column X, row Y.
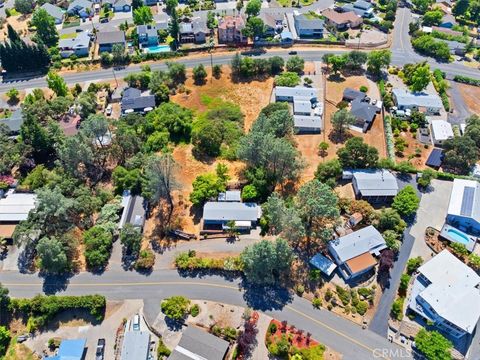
column 100, row 352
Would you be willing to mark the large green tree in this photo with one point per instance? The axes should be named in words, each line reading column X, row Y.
column 406, row 202
column 253, row 7
column 357, row 155
column 377, row 60
column 433, row 345
column 142, row 15
column 52, row 255
column 131, row 239
column 420, row 77
column 46, row 29
column 460, row 155
column 295, row 64
column 57, row 84
column 341, row 122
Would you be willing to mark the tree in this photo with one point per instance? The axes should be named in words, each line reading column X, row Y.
column 98, row 244
column 266, row 262
column 473, row 128
column 52, row 255
column 254, row 27
column 158, row 87
column 177, row 72
column 199, row 74
column 4, row 298
column 338, row 62
column 57, row 84
column 377, row 60
column 460, row 155
column 253, row 7
column 391, row 239
column 432, row 18
column 249, row 193
column 207, row 186
column 142, row 15
column 426, row 178
column 356, row 59
column 287, row 78
column 389, row 219
column 295, row 64
column 329, row 171
column 420, row 78
column 136, row 4
column 460, row 7
column 118, row 54
column 211, row 20
column 13, row 35
column 433, row 345
column 4, row 340
column 217, row 71
column 247, row 339
column 276, row 64
column 357, row 155
column 175, row 119
column 171, row 5
column 239, row 5
column 422, row 5
column 413, row 264
column 341, row 122
column 46, row 29
column 131, row 239
column 176, row 307
column 24, row 6
column 12, row 95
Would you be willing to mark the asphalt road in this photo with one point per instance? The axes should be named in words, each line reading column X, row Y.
column 339, row 334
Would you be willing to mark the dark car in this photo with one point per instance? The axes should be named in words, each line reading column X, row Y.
column 100, row 353
column 104, row 20
column 293, row 52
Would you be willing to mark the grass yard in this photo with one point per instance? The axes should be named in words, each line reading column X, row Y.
column 19, row 352
column 68, row 36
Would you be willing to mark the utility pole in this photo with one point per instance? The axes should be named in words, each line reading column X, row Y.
column 211, row 45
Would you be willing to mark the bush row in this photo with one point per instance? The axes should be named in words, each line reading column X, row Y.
column 466, row 80
column 189, row 261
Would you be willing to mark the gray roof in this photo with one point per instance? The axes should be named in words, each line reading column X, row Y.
column 186, row 28
column 360, row 4
column 294, row 92
column 14, row 122
column 357, row 243
column 449, row 18
column 82, row 40
column 16, row 206
column 54, row 11
column 226, row 211
column 419, row 99
column 455, row 45
column 80, row 4
column 199, row 25
column 162, row 25
column 304, row 22
column 136, row 345
column 134, row 99
column 308, row 121
column 230, row 195
column 149, row 30
column 351, row 94
column 110, row 37
column 375, row 182
column 363, row 111
column 199, row 344
column 133, row 211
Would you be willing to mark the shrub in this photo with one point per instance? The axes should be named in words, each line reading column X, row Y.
column 176, row 307
column 300, row 289
column 145, row 260
column 361, row 307
column 328, row 295
column 317, row 303
column 363, row 88
column 413, row 264
column 343, row 295
column 195, row 310
column 272, row 328
column 162, row 350
column 397, row 309
column 404, row 281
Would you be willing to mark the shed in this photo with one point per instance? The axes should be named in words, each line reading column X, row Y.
column 441, row 131
column 134, row 211
column 230, row 195
column 323, row 264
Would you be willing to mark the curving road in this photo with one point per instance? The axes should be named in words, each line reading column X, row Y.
column 339, row 334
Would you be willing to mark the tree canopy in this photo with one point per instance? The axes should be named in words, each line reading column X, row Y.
column 357, row 155
column 433, row 345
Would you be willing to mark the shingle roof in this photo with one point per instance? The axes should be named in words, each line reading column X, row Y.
column 81, row 4
column 340, row 17
column 134, row 99
column 226, row 211
column 149, row 30
column 54, row 11
column 351, row 94
column 199, row 344
column 363, row 111
column 375, row 182
column 305, row 22
column 110, row 37
column 360, row 4
column 14, row 122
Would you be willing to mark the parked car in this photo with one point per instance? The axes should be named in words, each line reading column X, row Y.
column 22, row 338
column 108, row 110
column 136, row 323
column 100, row 353
column 293, row 52
column 78, row 30
column 104, row 20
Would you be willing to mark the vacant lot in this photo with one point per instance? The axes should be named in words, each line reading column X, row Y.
column 471, row 95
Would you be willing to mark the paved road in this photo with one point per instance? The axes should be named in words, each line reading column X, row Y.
column 460, row 108
column 337, row 333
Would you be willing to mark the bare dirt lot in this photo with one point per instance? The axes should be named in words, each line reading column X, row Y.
column 471, row 95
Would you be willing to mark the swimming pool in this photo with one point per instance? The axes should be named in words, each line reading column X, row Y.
column 157, row 49
column 458, row 236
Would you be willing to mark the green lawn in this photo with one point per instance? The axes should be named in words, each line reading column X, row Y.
column 68, row 36
column 13, row 12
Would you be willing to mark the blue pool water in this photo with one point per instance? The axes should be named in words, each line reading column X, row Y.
column 158, row 49
column 458, row 236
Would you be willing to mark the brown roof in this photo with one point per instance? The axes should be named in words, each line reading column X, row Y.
column 447, row 31
column 340, row 18
column 231, row 22
column 6, row 230
column 361, row 262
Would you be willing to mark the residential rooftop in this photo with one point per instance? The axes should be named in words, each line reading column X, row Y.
column 235, row 211
column 419, row 99
column 465, row 199
column 136, row 345
column 197, row 344
column 16, row 206
column 375, row 182
column 442, row 130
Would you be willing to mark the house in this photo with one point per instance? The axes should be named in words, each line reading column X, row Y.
column 82, row 8
column 286, row 37
column 365, row 114
column 135, row 345
column 230, row 30
column 147, row 35
column 73, row 349
column 429, row 104
column 464, row 207
column 14, row 122
column 199, row 344
column 194, row 31
column 218, row 214
column 133, row 100
column 54, row 11
column 446, row 292
column 441, row 131
column 150, row 2
column 134, row 211
column 435, row 158
column 373, row 185
column 106, row 40
column 78, row 45
column 448, row 21
column 355, row 253
column 230, row 195
column 14, row 207
column 342, row 20
column 447, row 31
column 309, row 26
column 119, row 5
column 273, row 21
column 284, row 93
column 323, row 263
column 456, row 47
column 361, row 8
column 350, row 94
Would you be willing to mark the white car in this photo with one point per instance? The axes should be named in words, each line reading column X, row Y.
column 108, row 110
column 136, row 323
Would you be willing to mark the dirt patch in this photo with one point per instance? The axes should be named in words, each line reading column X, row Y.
column 20, row 352
column 470, row 95
column 415, row 152
column 212, row 313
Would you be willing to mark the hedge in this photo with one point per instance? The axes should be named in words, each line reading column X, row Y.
column 466, row 80
column 189, row 261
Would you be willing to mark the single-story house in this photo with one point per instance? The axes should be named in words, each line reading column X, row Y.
column 424, row 102
column 230, row 195
column 14, row 121
column 199, row 344
column 218, row 214
column 447, row 31
column 78, row 45
column 342, row 20
column 82, row 8
column 106, row 40
column 441, row 131
column 309, row 26
column 194, row 31
column 147, row 35
column 119, row 5
column 54, row 11
column 323, row 263
column 448, row 21
column 435, row 159
column 364, row 112
column 308, row 124
column 14, row 207
column 71, row 349
column 134, row 211
column 464, row 207
column 359, row 7
column 446, row 292
column 350, row 94
column 273, row 22
column 133, row 100
column 135, row 345
column 373, row 185
column 355, row 253
column 456, row 47
column 284, row 93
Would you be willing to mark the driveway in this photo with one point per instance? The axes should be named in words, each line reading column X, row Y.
column 460, row 108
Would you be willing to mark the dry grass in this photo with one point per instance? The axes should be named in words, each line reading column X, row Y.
column 471, row 94
column 410, row 151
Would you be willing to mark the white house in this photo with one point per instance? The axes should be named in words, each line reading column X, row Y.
column 78, row 45
column 373, row 185
column 355, row 253
column 14, row 207
column 427, row 103
column 464, row 207
column 446, row 292
column 441, row 131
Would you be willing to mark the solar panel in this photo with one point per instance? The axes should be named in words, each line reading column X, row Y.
column 467, row 201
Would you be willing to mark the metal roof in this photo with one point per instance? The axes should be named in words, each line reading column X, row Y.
column 15, row 121
column 197, row 344
column 442, row 130
column 230, row 195
column 357, row 243
column 465, row 199
column 70, row 349
column 133, row 211
column 420, row 99
column 307, row 121
column 226, row 211
column 135, row 345
column 323, row 264
column 16, row 206
column 299, row 91
column 302, row 106
column 375, row 182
